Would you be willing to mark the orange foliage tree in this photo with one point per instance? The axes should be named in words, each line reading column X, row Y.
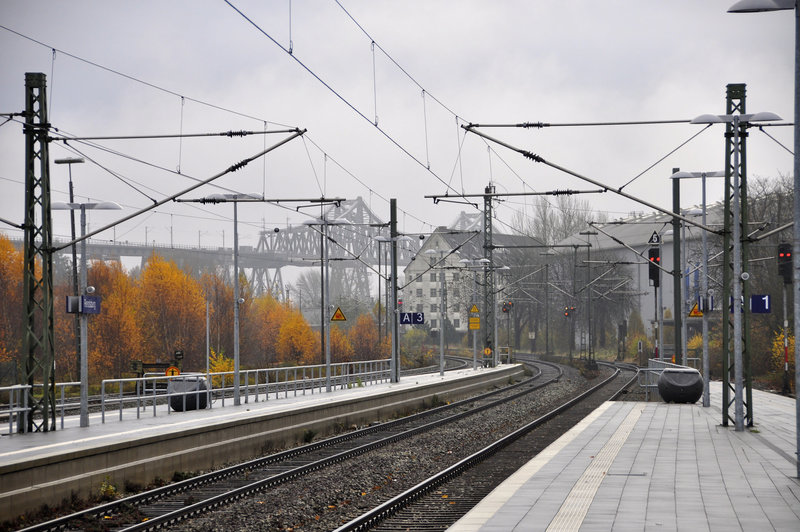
column 11, row 313
column 171, row 313
column 341, row 350
column 364, row 338
column 115, row 338
column 262, row 328
column 296, row 341
column 220, row 296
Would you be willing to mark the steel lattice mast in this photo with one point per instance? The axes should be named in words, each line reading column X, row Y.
column 39, row 372
column 735, row 104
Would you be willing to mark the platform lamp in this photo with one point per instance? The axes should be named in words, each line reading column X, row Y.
column 84, row 290
column 737, row 121
column 69, row 161
column 234, row 198
column 704, row 274
column 753, row 6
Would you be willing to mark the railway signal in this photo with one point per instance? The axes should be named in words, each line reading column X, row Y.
column 654, row 255
column 785, row 262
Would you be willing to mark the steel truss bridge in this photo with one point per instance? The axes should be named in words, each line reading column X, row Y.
column 353, row 250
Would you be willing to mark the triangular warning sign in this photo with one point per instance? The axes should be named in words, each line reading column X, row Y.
column 474, row 309
column 338, row 315
column 695, row 312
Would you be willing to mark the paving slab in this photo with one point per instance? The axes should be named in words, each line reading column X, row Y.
column 656, row 466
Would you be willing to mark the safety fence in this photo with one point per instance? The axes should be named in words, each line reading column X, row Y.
column 134, row 397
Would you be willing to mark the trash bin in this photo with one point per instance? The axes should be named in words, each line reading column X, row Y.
column 680, row 385
column 191, row 389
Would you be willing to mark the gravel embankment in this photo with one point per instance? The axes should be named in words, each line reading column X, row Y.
column 329, row 498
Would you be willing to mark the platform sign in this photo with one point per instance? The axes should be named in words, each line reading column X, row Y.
column 412, row 318
column 172, row 371
column 474, row 323
column 90, row 305
column 760, row 304
column 338, row 315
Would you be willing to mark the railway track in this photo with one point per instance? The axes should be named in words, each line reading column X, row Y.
column 170, row 504
column 442, row 499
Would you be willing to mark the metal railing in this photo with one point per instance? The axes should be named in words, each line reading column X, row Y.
column 140, row 394
column 14, row 404
column 135, row 396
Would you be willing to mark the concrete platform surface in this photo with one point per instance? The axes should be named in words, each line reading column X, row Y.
column 25, row 447
column 655, row 466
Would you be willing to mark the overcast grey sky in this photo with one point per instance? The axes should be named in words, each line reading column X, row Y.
column 483, row 62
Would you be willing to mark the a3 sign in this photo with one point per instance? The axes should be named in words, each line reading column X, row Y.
column 412, row 318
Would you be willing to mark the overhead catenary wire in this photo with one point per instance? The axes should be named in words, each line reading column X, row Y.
column 204, row 103
column 233, row 168
column 201, row 102
column 344, row 100
column 537, row 158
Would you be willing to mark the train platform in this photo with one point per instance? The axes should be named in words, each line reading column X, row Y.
column 46, row 467
column 656, row 466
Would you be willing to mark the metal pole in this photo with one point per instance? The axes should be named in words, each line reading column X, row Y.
column 441, row 322
column 677, row 306
column 208, row 353
column 787, row 389
column 706, row 304
column 235, row 304
column 474, row 331
column 683, row 298
column 74, row 264
column 84, row 330
column 327, row 302
column 796, row 242
column 546, row 309
column 737, row 286
column 395, row 369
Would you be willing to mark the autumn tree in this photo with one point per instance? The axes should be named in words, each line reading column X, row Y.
column 297, row 343
column 263, row 327
column 219, row 294
column 11, row 326
column 341, row 350
column 171, row 313
column 363, row 337
column 115, row 336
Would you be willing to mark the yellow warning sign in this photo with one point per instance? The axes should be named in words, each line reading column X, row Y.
column 474, row 323
column 695, row 312
column 474, row 309
column 338, row 315
column 172, row 371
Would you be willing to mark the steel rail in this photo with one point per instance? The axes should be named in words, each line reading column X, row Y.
column 378, row 514
column 215, row 476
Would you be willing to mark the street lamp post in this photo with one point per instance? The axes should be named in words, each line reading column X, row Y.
column 84, row 290
column 703, row 275
column 749, row 6
column 237, row 300
column 737, row 121
column 70, row 161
